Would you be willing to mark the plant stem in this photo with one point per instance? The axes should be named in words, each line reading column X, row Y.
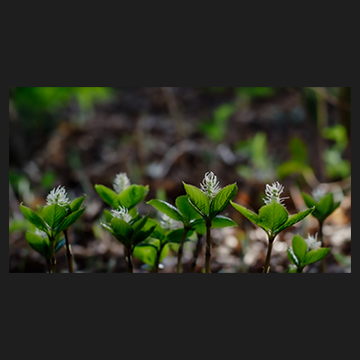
column 180, row 251
column 196, row 252
column 208, row 247
column 128, row 255
column 69, row 254
column 321, row 238
column 52, row 261
column 157, row 262
column 268, row 256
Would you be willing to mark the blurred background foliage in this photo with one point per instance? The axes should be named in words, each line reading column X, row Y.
column 161, row 136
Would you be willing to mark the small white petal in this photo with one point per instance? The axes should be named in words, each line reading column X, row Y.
column 121, row 182
column 122, row 213
column 57, row 196
column 210, row 185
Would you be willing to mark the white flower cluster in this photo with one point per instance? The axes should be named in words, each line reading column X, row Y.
column 121, row 182
column 210, row 185
column 273, row 192
column 122, row 213
column 57, row 196
column 312, row 243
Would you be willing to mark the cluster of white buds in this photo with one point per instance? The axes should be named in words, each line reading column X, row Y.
column 210, row 185
column 121, row 182
column 167, row 223
column 57, row 196
column 312, row 243
column 122, row 213
column 273, row 192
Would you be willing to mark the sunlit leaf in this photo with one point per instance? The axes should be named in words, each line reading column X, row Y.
column 221, row 221
column 76, row 203
column 186, row 209
column 34, row 218
column 109, row 196
column 293, row 219
column 299, row 248
column 132, row 195
column 53, row 215
column 222, row 199
column 71, row 219
column 292, row 257
column 38, row 244
column 167, row 209
column 315, row 255
column 198, row 199
column 250, row 215
column 272, row 216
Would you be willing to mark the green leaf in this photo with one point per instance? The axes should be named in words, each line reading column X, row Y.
column 323, row 208
column 146, row 253
column 174, row 236
column 222, row 199
column 123, row 231
column 53, row 215
column 38, row 244
column 272, row 216
column 132, row 195
column 325, row 204
column 107, row 227
column 140, row 224
column 158, row 232
column 59, row 244
column 299, row 248
column 199, row 226
column 76, row 203
column 309, row 200
column 141, row 236
column 34, row 218
column 292, row 257
column 198, row 199
column 250, row 215
column 293, row 219
column 167, row 209
column 109, row 196
column 71, row 219
column 165, row 250
column 315, row 255
column 107, row 215
column 221, row 221
column 186, row 209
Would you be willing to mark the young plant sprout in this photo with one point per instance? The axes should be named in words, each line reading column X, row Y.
column 305, row 252
column 209, row 202
column 273, row 216
column 125, row 194
column 184, row 213
column 154, row 249
column 324, row 205
column 128, row 230
column 55, row 217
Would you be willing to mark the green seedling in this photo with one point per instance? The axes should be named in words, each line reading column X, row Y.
column 273, row 216
column 324, row 205
column 53, row 219
column 209, row 202
column 128, row 230
column 124, row 194
column 155, row 248
column 305, row 252
column 184, row 213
